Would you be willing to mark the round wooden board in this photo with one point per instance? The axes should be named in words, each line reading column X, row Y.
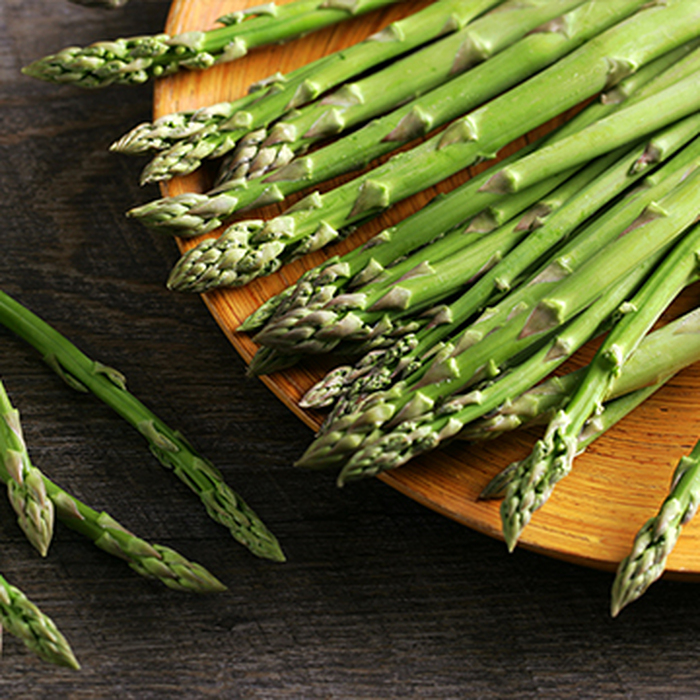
column 615, row 486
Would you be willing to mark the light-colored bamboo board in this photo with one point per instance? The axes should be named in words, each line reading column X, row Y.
column 615, row 486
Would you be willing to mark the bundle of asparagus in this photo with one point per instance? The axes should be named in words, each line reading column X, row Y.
column 135, row 60
column 466, row 206
column 538, row 241
column 183, row 140
column 252, row 248
column 319, row 312
column 561, row 289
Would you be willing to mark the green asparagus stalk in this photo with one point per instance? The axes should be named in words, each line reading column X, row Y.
column 266, row 150
column 658, row 536
column 230, row 117
column 466, row 141
column 223, row 504
column 661, row 354
column 678, row 100
column 260, row 248
column 135, row 60
column 362, row 264
column 22, row 618
column 25, row 487
column 186, row 138
column 553, row 455
column 431, row 424
column 153, row 561
column 545, row 304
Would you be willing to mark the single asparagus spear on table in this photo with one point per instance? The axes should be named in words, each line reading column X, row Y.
column 658, row 536
column 23, row 619
column 351, row 104
column 151, row 560
column 135, row 60
column 255, row 248
column 211, row 131
column 223, row 504
column 25, row 486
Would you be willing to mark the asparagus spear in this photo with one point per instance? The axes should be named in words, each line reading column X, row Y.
column 318, row 285
column 255, row 248
column 222, row 503
column 25, row 620
column 25, row 487
column 188, row 137
column 150, row 560
column 229, row 117
column 405, row 173
column 515, row 328
column 678, row 100
column 553, row 455
column 660, row 355
column 658, row 536
column 266, row 150
column 135, row 60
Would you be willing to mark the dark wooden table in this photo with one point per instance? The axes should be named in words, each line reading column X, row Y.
column 380, row 598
